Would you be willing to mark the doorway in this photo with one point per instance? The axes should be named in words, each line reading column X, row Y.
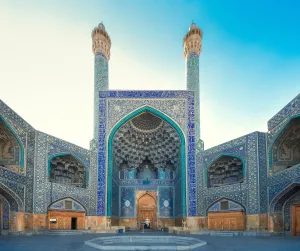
column 74, row 223
column 296, row 220
column 147, row 209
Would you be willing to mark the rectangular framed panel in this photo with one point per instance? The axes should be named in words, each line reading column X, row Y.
column 231, row 221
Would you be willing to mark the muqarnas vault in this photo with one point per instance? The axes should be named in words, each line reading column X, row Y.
column 147, row 163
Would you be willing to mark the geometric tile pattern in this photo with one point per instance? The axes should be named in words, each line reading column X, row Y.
column 127, row 202
column 166, row 202
column 113, row 108
column 48, row 192
column 284, row 113
column 251, row 149
column 5, row 213
column 192, row 84
column 61, row 205
column 232, row 206
column 26, row 136
column 100, row 84
column 260, row 191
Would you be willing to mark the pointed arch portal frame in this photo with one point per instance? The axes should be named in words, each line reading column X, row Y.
column 105, row 139
column 110, row 153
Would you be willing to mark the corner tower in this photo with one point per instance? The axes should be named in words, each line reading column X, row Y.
column 192, row 44
column 101, row 50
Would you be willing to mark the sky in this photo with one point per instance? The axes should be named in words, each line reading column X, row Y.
column 249, row 65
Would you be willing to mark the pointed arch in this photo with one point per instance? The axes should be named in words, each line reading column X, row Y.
column 145, row 194
column 22, row 163
column 287, row 192
column 110, row 153
column 277, row 137
column 14, row 200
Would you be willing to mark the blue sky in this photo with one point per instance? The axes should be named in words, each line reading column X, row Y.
column 249, row 66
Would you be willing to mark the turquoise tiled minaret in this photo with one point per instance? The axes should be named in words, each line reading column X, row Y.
column 192, row 47
column 101, row 50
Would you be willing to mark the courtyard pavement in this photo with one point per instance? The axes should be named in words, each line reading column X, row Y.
column 214, row 243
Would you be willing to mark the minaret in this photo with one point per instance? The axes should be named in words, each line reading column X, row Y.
column 192, row 44
column 101, row 50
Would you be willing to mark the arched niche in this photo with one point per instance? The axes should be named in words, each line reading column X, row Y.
column 9, row 202
column 282, row 217
column 225, row 170
column 286, row 148
column 15, row 202
column 11, row 149
column 111, row 171
column 68, row 170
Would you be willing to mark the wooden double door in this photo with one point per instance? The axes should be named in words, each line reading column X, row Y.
column 296, row 220
column 231, row 221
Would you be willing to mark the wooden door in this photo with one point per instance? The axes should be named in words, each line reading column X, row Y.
column 231, row 221
column 296, row 220
column 146, row 209
column 147, row 214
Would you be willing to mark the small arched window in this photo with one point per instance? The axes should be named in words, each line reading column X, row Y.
column 226, row 170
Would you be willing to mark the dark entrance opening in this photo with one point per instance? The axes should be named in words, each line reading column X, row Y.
column 74, row 223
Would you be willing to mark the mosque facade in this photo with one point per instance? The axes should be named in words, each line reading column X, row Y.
column 147, row 165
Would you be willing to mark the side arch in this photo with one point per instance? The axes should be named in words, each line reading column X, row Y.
column 288, row 190
column 276, row 137
column 110, row 151
column 205, row 177
column 16, row 204
column 22, row 162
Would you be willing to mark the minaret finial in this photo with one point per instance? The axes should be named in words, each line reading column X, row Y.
column 101, row 41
